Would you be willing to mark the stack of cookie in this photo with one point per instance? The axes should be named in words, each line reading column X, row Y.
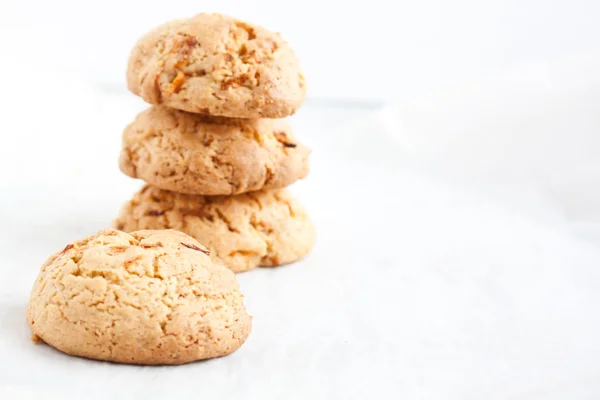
column 212, row 148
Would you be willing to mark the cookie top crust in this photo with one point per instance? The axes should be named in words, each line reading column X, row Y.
column 217, row 65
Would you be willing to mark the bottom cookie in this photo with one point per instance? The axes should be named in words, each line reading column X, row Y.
column 264, row 228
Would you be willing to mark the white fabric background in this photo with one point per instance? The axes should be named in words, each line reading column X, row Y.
column 362, row 50
column 457, row 255
column 532, row 128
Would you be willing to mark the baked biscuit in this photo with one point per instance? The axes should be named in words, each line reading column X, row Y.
column 264, row 228
column 197, row 154
column 149, row 297
column 217, row 65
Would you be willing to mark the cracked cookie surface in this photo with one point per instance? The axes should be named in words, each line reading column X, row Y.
column 149, row 297
column 217, row 65
column 198, row 154
column 264, row 228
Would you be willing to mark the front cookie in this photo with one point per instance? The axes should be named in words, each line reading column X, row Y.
column 149, row 297
column 197, row 154
column 217, row 65
column 265, row 228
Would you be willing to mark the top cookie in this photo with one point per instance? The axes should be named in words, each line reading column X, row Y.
column 214, row 64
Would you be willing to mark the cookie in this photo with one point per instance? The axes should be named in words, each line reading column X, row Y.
column 149, row 297
column 217, row 65
column 264, row 228
column 198, row 154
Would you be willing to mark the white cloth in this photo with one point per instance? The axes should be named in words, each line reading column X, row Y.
column 534, row 127
column 421, row 286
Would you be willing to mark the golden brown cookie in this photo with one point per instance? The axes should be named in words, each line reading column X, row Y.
column 199, row 154
column 264, row 228
column 217, row 65
column 149, row 297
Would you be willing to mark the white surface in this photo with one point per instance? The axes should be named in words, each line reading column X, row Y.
column 376, row 49
column 417, row 288
column 533, row 128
